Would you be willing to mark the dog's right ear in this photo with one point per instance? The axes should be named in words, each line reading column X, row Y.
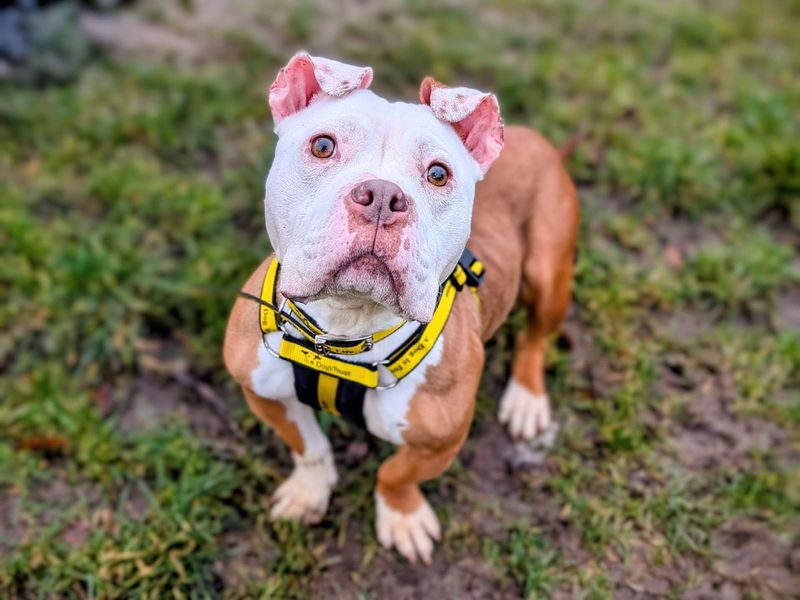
column 299, row 82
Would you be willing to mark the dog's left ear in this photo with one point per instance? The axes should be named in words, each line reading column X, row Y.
column 474, row 115
column 300, row 81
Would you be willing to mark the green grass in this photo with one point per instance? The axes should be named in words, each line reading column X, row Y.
column 130, row 212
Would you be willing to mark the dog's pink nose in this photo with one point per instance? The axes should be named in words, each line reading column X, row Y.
column 379, row 200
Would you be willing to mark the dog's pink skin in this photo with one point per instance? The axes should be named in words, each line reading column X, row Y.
column 366, row 259
column 474, row 115
column 305, row 76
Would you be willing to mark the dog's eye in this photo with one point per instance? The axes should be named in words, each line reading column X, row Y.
column 322, row 146
column 437, row 174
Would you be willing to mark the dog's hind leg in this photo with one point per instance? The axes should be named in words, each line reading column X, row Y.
column 545, row 292
column 525, row 405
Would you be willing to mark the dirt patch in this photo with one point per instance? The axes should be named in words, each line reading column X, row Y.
column 155, row 402
column 455, row 573
column 639, row 576
column 12, row 530
column 787, row 310
column 151, row 405
column 204, row 31
column 464, row 578
column 160, row 31
column 684, row 324
column 749, row 560
column 684, row 236
column 244, row 554
column 53, row 501
column 485, row 499
column 713, row 436
column 126, row 33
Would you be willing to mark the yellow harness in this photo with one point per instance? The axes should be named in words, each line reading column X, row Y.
column 338, row 386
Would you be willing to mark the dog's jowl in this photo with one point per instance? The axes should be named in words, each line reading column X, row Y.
column 403, row 235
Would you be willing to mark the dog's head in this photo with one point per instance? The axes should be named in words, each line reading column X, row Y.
column 370, row 198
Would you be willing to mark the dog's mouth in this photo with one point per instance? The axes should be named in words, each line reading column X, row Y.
column 366, row 264
column 366, row 276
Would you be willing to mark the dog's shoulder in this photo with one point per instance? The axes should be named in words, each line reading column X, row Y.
column 441, row 410
column 243, row 334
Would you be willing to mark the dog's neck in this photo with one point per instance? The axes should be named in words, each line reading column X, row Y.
column 351, row 316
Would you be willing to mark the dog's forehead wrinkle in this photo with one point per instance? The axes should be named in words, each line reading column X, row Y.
column 382, row 114
column 384, row 146
column 392, row 129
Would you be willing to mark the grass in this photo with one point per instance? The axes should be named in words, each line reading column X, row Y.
column 130, row 212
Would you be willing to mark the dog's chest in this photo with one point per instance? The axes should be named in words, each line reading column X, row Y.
column 385, row 411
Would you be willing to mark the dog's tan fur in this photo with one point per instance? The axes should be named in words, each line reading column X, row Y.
column 525, row 222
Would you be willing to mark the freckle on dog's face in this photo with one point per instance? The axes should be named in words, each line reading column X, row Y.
column 365, row 197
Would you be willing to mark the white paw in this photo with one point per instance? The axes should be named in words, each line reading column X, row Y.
column 412, row 534
column 526, row 414
column 305, row 494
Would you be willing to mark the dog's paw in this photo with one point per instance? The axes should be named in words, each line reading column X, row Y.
column 412, row 534
column 305, row 494
column 526, row 414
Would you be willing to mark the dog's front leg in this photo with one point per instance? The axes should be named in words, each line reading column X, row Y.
column 305, row 494
column 404, row 519
column 438, row 420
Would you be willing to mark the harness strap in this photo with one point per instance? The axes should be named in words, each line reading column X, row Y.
column 298, row 352
column 268, row 317
column 338, row 386
column 339, row 397
column 304, row 323
column 311, row 330
column 405, row 359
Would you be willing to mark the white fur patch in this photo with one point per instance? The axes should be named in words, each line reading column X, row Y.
column 274, row 379
column 412, row 534
column 304, row 496
column 385, row 411
column 526, row 414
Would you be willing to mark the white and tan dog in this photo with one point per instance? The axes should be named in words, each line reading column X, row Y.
column 368, row 205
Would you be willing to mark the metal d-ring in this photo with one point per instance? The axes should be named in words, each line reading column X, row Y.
column 389, row 386
column 281, row 326
column 282, row 306
column 267, row 346
column 380, row 388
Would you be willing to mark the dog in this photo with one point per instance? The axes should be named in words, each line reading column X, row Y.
column 403, row 236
